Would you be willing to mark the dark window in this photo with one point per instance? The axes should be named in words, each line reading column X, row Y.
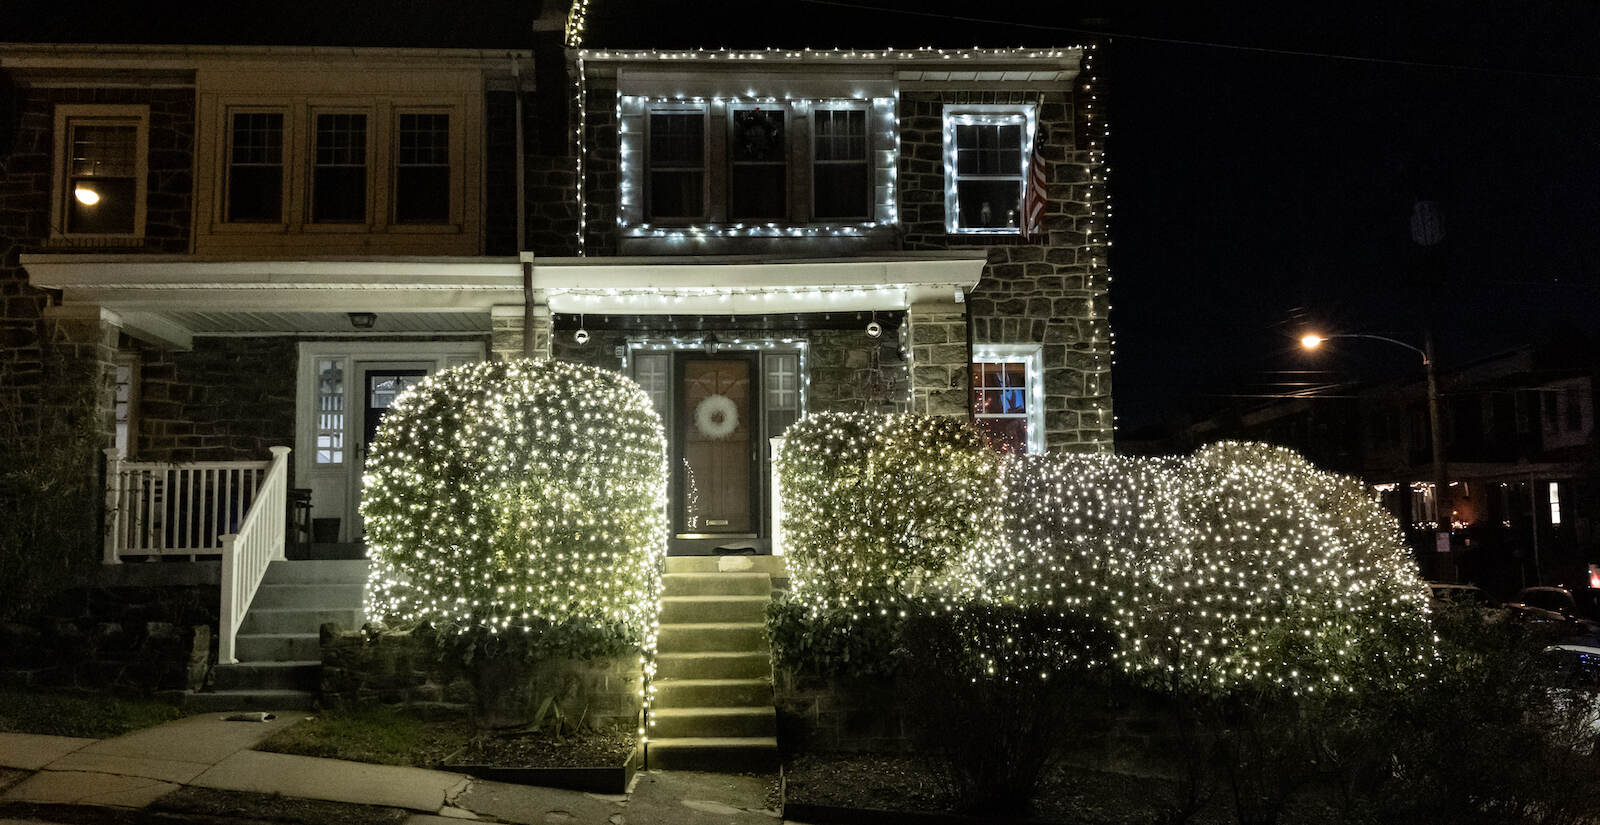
column 840, row 167
column 102, row 178
column 1574, row 409
column 422, row 169
column 339, row 179
column 1549, row 399
column 255, row 167
column 988, row 175
column 677, row 165
column 759, row 165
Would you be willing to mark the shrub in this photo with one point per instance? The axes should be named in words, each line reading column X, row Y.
column 880, row 509
column 1241, row 565
column 523, row 495
column 833, row 644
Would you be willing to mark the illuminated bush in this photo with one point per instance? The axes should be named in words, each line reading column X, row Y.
column 881, row 508
column 519, row 495
column 1239, row 565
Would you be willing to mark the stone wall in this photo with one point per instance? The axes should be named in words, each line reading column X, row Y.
column 413, row 670
column 602, row 174
column 505, row 336
column 1049, row 290
column 839, row 716
column 550, row 180
column 141, row 639
column 228, row 399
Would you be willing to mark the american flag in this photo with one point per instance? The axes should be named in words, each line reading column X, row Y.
column 1033, row 198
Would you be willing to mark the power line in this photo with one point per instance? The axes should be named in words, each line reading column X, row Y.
column 1212, row 44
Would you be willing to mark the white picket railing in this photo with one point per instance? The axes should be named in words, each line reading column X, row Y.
column 161, row 509
column 246, row 553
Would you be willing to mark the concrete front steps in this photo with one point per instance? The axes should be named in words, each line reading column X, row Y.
column 713, row 687
column 278, row 645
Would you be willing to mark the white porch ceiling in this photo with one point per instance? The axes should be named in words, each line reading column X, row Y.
column 296, row 323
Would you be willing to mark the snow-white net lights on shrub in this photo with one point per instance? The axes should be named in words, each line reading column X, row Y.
column 1241, row 565
column 520, row 494
column 883, row 508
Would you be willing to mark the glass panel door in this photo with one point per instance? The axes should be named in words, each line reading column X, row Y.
column 716, row 435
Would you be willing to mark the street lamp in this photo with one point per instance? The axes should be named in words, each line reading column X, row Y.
column 1443, row 516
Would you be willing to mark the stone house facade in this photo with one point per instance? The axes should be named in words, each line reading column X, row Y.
column 243, row 247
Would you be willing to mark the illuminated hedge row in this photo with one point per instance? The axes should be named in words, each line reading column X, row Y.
column 528, row 494
column 1239, row 565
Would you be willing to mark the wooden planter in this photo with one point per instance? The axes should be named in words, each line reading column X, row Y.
column 606, row 780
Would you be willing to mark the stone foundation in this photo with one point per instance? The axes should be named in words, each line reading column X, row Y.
column 412, row 670
column 138, row 639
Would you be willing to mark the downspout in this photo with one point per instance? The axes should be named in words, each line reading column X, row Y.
column 528, row 348
column 966, row 369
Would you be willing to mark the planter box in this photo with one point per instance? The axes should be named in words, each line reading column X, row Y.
column 589, row 780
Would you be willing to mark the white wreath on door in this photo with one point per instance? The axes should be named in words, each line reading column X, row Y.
column 716, row 416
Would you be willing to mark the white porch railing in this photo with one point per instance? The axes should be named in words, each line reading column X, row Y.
column 777, row 500
column 160, row 509
column 246, row 553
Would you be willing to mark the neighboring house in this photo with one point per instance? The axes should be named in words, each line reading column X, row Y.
column 1520, row 455
column 245, row 248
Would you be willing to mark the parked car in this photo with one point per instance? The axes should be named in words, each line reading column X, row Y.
column 1462, row 594
column 1573, row 671
column 1554, row 607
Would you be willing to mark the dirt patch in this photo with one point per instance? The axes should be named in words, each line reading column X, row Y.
column 607, row 748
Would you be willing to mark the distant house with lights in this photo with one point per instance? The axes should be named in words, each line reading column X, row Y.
column 243, row 248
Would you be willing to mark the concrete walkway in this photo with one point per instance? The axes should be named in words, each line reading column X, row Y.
column 205, row 751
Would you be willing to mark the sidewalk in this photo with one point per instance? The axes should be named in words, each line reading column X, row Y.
column 203, row 751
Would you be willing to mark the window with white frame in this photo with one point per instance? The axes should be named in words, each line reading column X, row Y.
column 841, row 168
column 653, row 372
column 780, row 381
column 986, row 152
column 1008, row 397
column 255, row 167
column 422, row 168
column 677, row 164
column 339, row 168
column 330, row 411
column 102, row 155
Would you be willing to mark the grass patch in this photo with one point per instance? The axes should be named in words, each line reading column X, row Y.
column 373, row 734
column 91, row 716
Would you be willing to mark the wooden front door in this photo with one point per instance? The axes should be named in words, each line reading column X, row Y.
column 715, row 459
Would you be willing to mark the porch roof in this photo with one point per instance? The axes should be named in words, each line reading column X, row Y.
column 173, row 298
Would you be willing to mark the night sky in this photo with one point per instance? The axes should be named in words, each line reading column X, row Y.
column 1255, row 191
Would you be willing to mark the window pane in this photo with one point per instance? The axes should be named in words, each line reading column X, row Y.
column 758, row 136
column 841, row 190
column 841, row 135
column 989, row 203
column 102, row 183
column 677, row 194
column 339, row 191
column 422, row 174
column 652, row 373
column 989, row 149
column 330, row 411
column 255, row 171
column 677, row 140
column 758, row 192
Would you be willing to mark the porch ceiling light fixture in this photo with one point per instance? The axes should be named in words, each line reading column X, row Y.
column 363, row 320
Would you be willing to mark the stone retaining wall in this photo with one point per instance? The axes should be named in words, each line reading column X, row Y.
column 411, row 669
column 139, row 639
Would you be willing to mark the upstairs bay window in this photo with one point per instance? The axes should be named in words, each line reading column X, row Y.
column 677, row 163
column 339, row 171
column 987, row 150
column 255, row 167
column 100, row 171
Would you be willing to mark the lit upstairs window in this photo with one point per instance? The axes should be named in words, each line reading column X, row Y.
column 987, row 149
column 100, row 182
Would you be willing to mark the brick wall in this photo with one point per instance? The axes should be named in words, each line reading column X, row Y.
column 228, row 399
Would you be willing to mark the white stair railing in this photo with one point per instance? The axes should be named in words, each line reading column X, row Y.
column 246, row 554
column 778, row 547
column 162, row 509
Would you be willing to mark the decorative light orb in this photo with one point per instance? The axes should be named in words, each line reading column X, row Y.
column 581, row 336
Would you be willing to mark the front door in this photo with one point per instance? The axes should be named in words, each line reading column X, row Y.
column 715, row 446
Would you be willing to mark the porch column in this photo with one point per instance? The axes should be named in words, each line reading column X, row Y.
column 78, row 401
column 505, row 322
column 937, row 341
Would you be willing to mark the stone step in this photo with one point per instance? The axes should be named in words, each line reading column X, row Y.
column 249, row 700
column 248, row 676
column 743, row 637
column 278, row 647
column 317, row 572
column 716, row 584
column 692, row 609
column 736, row 664
column 718, row 722
column 771, row 565
column 712, row 693
column 309, row 596
column 733, row 754
column 296, row 620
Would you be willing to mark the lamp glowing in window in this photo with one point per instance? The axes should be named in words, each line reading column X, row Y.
column 86, row 196
column 1555, row 503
